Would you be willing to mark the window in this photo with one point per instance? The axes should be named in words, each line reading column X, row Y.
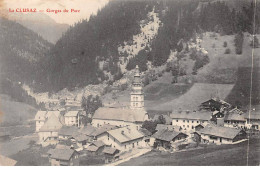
column 184, row 121
column 187, row 121
column 137, row 143
column 192, row 127
column 192, row 121
column 176, row 120
column 107, row 137
column 197, row 121
column 136, row 127
column 136, row 104
column 125, row 146
column 183, row 125
column 188, row 126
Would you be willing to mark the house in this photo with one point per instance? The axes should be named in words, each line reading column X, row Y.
column 215, row 104
column 67, row 132
column 64, row 157
column 6, row 161
column 42, row 116
column 49, row 131
column 235, row 118
column 110, row 154
column 81, row 139
column 164, row 138
column 253, row 120
column 89, row 131
column 72, row 118
column 100, row 133
column 189, row 120
column 96, row 147
column 147, row 135
column 133, row 116
column 124, row 139
column 221, row 135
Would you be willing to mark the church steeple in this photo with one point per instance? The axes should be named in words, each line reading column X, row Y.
column 137, row 95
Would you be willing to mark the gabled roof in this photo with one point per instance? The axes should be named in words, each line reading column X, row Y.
column 80, row 137
column 98, row 143
column 109, row 150
column 40, row 115
column 145, row 132
column 103, row 129
column 56, row 113
column 88, row 130
column 68, row 130
column 62, row 146
column 125, row 134
column 71, row 114
column 120, row 114
column 166, row 135
column 236, row 115
column 52, row 124
column 62, row 154
column 92, row 148
column 224, row 132
column 197, row 115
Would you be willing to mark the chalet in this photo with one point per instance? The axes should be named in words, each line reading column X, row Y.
column 64, row 157
column 96, row 147
column 133, row 116
column 221, row 135
column 110, row 154
column 164, row 138
column 49, row 131
column 215, row 104
column 124, row 139
column 72, row 118
column 235, row 118
column 67, row 132
column 189, row 120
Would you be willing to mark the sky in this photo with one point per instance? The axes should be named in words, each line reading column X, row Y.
column 86, row 7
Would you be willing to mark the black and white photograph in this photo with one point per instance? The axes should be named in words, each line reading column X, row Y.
column 129, row 83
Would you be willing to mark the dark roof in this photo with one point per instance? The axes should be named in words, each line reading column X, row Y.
column 166, row 135
column 62, row 154
column 103, row 129
column 236, row 115
column 92, row 148
column 197, row 115
column 145, row 132
column 80, row 137
column 88, row 130
column 68, row 130
column 109, row 150
column 224, row 132
column 98, row 143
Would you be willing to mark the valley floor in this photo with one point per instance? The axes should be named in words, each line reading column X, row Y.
column 214, row 155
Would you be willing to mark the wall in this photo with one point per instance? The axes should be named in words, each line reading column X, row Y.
column 44, row 135
column 217, row 141
column 188, row 124
column 71, row 121
column 233, row 124
column 38, row 124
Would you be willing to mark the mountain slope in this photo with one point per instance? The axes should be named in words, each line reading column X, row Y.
column 41, row 24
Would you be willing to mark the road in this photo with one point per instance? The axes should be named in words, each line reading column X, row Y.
column 214, row 155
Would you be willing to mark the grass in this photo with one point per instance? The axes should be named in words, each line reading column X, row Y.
column 214, row 155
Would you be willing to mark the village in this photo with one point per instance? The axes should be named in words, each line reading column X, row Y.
column 119, row 133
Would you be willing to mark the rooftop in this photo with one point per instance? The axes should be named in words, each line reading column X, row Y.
column 52, row 124
column 125, row 134
column 71, row 114
column 197, row 115
column 68, row 130
column 62, row 154
column 224, row 132
column 166, row 135
column 109, row 150
column 120, row 114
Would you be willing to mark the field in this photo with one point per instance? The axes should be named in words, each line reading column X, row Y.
column 14, row 113
column 222, row 155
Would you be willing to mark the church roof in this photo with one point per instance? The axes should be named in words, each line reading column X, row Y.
column 120, row 114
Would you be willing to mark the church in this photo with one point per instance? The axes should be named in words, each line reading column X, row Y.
column 132, row 116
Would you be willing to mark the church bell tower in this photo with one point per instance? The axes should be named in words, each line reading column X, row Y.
column 137, row 94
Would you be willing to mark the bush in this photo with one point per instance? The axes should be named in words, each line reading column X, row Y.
column 227, row 51
column 225, row 44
